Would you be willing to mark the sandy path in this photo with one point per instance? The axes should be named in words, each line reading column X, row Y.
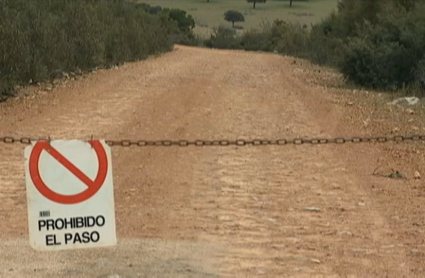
column 215, row 211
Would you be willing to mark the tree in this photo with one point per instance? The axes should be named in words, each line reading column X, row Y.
column 185, row 21
column 290, row 3
column 234, row 16
column 255, row 1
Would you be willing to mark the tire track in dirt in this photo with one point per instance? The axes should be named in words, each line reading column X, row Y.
column 254, row 199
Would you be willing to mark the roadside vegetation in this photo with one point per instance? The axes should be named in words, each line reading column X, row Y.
column 208, row 14
column 45, row 39
column 374, row 44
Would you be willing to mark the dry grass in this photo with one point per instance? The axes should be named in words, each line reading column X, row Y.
column 210, row 15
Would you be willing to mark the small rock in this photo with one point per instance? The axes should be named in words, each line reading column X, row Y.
column 312, row 209
column 271, row 220
column 58, row 74
column 362, row 204
column 49, row 88
column 410, row 111
column 297, row 269
column 417, row 175
column 396, row 129
column 396, row 175
column 415, row 128
column 350, row 103
column 348, row 233
column 366, row 122
column 410, row 120
column 316, row 261
column 414, row 251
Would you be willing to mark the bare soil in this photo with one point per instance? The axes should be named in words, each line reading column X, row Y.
column 228, row 211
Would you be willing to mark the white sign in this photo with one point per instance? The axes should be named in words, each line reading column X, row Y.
column 70, row 195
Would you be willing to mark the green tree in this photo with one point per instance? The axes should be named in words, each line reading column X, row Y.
column 234, row 16
column 255, row 2
column 185, row 21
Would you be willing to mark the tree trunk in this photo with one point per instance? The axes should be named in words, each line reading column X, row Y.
column 290, row 3
column 254, row 4
column 233, row 24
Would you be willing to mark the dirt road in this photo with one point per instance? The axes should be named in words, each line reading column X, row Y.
column 227, row 211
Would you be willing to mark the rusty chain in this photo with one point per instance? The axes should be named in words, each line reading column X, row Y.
column 240, row 142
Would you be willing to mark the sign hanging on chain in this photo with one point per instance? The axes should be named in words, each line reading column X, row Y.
column 70, row 195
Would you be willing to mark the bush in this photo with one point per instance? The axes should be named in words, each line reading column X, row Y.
column 40, row 38
column 386, row 55
column 376, row 44
column 223, row 38
column 255, row 40
column 289, row 38
column 420, row 75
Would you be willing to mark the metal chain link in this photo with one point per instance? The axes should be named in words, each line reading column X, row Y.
column 240, row 142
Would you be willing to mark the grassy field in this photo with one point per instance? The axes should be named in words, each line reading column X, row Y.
column 210, row 15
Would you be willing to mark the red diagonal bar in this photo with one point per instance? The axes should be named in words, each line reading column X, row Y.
column 68, row 165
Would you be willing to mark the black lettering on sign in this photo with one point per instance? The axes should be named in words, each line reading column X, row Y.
column 68, row 237
column 44, row 213
column 71, row 223
column 79, row 222
column 94, row 236
column 84, row 237
column 41, row 224
column 51, row 240
column 50, row 224
column 100, row 221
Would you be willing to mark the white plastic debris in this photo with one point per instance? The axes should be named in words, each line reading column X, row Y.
column 405, row 100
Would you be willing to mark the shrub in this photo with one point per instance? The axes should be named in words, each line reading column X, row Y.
column 376, row 44
column 256, row 40
column 39, row 38
column 386, row 55
column 420, row 75
column 223, row 38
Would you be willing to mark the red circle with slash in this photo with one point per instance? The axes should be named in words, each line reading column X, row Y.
column 93, row 186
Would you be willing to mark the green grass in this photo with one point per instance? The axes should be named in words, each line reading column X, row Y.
column 210, row 15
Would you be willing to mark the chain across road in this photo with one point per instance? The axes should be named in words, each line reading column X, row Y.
column 240, row 142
